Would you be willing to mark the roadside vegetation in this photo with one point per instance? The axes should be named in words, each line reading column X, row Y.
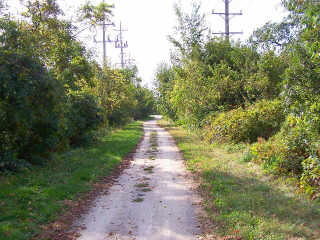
column 243, row 202
column 58, row 113
column 263, row 93
column 32, row 199
column 54, row 95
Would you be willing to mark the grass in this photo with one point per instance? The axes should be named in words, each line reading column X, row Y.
column 149, row 169
column 31, row 199
column 154, row 145
column 153, row 140
column 142, row 185
column 146, row 189
column 241, row 201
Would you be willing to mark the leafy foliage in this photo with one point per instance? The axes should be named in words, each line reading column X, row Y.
column 294, row 150
column 53, row 94
column 189, row 33
column 241, row 201
column 29, row 103
column 264, row 91
column 229, row 76
column 96, row 14
column 263, row 119
column 84, row 116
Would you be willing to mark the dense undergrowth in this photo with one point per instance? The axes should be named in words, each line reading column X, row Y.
column 242, row 202
column 264, row 92
column 53, row 93
column 31, row 199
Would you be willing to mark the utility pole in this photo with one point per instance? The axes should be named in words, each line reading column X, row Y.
column 130, row 61
column 104, row 42
column 226, row 16
column 121, row 44
column 104, row 38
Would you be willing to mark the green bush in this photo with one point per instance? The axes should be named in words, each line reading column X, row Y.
column 262, row 119
column 29, row 109
column 285, row 152
column 294, row 150
column 290, row 155
column 83, row 117
column 146, row 103
column 53, row 94
column 270, row 154
column 310, row 178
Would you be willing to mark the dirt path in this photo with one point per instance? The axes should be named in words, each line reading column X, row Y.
column 151, row 200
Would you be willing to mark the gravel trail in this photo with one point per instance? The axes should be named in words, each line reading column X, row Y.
column 151, row 200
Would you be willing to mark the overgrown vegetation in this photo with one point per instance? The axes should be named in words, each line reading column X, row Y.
column 58, row 107
column 241, row 201
column 264, row 92
column 53, row 94
column 30, row 200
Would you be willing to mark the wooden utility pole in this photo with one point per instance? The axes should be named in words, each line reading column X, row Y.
column 226, row 16
column 104, row 43
column 121, row 44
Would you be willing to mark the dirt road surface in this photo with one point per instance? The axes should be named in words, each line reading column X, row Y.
column 151, row 200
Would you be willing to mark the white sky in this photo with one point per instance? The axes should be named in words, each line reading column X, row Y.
column 149, row 22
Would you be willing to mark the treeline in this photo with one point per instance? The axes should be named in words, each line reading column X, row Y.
column 53, row 94
column 265, row 92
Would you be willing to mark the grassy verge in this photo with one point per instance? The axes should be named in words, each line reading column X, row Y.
column 241, row 201
column 31, row 199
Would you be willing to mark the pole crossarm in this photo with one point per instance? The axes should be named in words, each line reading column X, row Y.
column 222, row 33
column 222, row 13
column 226, row 15
column 121, row 44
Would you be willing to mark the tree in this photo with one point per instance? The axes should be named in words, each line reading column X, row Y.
column 276, row 36
column 30, row 100
column 53, row 42
column 164, row 81
column 189, row 33
column 94, row 15
column 53, row 94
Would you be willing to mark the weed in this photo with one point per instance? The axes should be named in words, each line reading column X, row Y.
column 146, row 190
column 247, row 157
column 139, row 199
column 149, row 169
column 142, row 185
column 154, row 141
column 154, row 146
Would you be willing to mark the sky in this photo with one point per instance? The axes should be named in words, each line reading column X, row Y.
column 149, row 22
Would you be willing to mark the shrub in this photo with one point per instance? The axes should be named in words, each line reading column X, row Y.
column 284, row 153
column 262, row 119
column 270, row 154
column 294, row 150
column 310, row 178
column 29, row 109
column 146, row 103
column 83, row 117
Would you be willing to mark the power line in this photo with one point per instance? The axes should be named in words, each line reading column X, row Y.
column 104, row 42
column 227, row 18
column 121, row 44
column 104, row 38
column 130, row 61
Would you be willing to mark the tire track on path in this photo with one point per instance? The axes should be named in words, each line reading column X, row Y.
column 151, row 200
